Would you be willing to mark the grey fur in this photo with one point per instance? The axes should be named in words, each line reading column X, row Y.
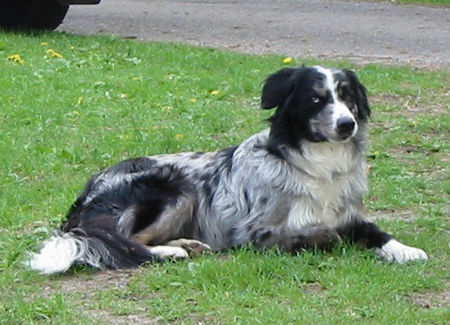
column 262, row 193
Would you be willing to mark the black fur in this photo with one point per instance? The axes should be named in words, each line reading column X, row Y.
column 359, row 93
column 285, row 89
column 365, row 234
column 148, row 192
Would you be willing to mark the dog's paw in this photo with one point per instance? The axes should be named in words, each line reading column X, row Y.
column 192, row 246
column 168, row 252
column 394, row 251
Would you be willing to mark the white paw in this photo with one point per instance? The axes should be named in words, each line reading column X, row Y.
column 192, row 246
column 165, row 252
column 394, row 251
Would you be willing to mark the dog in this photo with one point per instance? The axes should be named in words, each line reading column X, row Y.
column 297, row 185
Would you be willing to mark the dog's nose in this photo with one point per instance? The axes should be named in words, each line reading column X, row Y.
column 345, row 125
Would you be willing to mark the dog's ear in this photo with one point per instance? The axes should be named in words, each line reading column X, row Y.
column 361, row 95
column 277, row 88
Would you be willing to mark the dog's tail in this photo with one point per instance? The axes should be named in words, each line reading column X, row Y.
column 94, row 247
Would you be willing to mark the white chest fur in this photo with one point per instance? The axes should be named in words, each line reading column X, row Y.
column 325, row 203
column 330, row 181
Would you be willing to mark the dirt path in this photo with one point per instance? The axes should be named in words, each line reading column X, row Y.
column 359, row 31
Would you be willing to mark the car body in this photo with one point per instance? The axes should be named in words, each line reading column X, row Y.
column 35, row 14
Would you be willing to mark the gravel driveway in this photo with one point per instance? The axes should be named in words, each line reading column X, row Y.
column 359, row 31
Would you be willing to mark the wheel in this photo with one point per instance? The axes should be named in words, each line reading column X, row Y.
column 31, row 14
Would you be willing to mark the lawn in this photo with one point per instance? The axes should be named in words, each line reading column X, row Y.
column 72, row 105
column 436, row 3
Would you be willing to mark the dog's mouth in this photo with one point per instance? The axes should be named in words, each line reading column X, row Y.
column 341, row 139
column 318, row 136
column 335, row 137
column 342, row 131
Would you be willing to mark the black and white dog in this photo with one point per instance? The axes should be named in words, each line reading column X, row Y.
column 297, row 185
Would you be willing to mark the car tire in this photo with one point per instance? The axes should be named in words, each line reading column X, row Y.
column 31, row 14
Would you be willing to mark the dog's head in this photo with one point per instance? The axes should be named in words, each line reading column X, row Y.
column 316, row 104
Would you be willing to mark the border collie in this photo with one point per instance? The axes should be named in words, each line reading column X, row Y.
column 295, row 186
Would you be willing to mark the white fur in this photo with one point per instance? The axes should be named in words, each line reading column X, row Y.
column 57, row 254
column 165, row 252
column 394, row 251
column 330, row 175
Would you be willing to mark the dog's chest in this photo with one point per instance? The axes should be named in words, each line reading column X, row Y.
column 326, row 193
column 320, row 203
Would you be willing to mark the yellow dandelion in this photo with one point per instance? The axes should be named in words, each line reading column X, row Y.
column 16, row 59
column 193, row 100
column 80, row 100
column 287, row 60
column 376, row 154
column 44, row 43
column 214, row 92
column 51, row 53
column 179, row 136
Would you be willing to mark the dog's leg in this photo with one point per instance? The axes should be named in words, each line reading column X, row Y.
column 369, row 235
column 317, row 236
column 312, row 237
column 171, row 223
column 179, row 249
column 192, row 246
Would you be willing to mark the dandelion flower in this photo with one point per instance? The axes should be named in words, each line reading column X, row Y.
column 16, row 59
column 287, row 60
column 193, row 100
column 179, row 136
column 79, row 101
column 51, row 53
column 214, row 92
column 44, row 43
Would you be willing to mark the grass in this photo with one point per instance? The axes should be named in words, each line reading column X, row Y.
column 101, row 100
column 444, row 3
column 427, row 2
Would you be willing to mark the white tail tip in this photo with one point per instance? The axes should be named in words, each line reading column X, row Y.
column 57, row 255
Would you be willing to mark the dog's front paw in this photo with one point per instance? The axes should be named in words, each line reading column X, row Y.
column 394, row 251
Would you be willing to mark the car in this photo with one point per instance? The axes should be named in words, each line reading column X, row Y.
column 35, row 14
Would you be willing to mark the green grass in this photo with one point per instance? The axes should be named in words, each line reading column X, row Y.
column 63, row 119
column 426, row 2
column 444, row 3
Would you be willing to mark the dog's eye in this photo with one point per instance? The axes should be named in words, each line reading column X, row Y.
column 315, row 100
